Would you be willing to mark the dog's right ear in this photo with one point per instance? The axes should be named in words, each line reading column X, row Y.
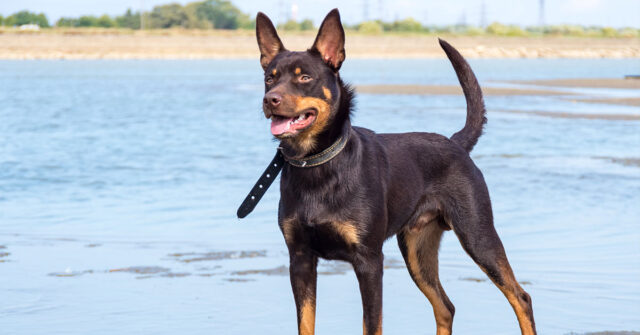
column 268, row 40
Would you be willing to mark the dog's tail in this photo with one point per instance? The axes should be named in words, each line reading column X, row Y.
column 468, row 136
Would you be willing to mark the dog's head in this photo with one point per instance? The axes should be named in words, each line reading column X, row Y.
column 302, row 89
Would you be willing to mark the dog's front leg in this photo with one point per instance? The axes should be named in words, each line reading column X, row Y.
column 303, row 272
column 369, row 272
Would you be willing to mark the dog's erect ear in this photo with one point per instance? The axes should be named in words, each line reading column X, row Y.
column 330, row 40
column 268, row 40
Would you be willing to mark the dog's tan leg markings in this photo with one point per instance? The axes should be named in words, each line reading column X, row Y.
column 490, row 256
column 274, row 72
column 307, row 318
column 298, row 71
column 303, row 274
column 347, row 230
column 518, row 298
column 420, row 244
column 327, row 93
column 288, row 226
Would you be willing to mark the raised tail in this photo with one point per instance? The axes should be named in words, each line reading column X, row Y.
column 468, row 136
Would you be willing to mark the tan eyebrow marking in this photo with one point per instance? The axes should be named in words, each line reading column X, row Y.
column 274, row 72
column 327, row 93
column 298, row 71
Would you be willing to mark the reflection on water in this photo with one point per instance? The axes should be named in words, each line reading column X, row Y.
column 119, row 182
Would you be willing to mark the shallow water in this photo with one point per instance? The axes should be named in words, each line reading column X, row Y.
column 119, row 182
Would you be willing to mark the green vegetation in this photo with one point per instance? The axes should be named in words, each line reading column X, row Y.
column 371, row 27
column 412, row 26
column 25, row 17
column 129, row 20
column 292, row 25
column 209, row 14
column 222, row 14
column 104, row 21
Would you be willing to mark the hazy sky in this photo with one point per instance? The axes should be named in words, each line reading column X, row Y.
column 616, row 13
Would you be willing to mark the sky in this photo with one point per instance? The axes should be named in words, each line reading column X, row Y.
column 615, row 13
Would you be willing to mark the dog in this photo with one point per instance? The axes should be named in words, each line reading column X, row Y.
column 345, row 189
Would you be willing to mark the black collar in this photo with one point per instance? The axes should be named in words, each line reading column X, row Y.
column 322, row 157
column 270, row 173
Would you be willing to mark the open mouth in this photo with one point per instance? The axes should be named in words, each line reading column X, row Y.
column 285, row 126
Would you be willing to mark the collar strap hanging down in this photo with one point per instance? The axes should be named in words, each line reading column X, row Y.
column 261, row 186
column 271, row 172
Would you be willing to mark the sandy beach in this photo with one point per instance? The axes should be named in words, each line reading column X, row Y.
column 183, row 44
column 451, row 90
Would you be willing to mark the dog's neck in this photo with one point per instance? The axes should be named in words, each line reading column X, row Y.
column 339, row 125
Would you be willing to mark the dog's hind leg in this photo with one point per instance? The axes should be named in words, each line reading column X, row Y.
column 472, row 222
column 419, row 245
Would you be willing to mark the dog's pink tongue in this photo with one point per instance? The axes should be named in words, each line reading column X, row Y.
column 280, row 125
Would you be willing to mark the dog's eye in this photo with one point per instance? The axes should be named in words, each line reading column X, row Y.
column 268, row 80
column 305, row 78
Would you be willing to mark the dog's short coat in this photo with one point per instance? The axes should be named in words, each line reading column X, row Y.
column 413, row 185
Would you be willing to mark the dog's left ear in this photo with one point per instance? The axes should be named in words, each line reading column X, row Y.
column 268, row 40
column 330, row 40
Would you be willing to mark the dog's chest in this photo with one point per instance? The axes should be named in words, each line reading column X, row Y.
column 333, row 239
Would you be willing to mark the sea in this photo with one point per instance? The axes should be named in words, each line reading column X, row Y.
column 120, row 180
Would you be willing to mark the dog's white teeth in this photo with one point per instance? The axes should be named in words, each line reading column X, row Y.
column 298, row 119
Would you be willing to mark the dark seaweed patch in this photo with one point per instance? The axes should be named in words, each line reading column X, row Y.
column 217, row 255
column 278, row 271
column 142, row 269
column 69, row 273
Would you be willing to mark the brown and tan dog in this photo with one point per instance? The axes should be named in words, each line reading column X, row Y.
column 347, row 189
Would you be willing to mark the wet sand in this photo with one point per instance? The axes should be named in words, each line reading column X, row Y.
column 613, row 101
column 181, row 44
column 557, row 84
column 565, row 115
column 450, row 90
column 585, row 83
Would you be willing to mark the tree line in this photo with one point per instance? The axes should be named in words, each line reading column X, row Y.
column 25, row 17
column 410, row 25
column 222, row 14
column 209, row 14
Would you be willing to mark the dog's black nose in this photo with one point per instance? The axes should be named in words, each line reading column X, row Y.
column 273, row 99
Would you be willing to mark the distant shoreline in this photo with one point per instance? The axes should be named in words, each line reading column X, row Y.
column 552, row 87
column 181, row 44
